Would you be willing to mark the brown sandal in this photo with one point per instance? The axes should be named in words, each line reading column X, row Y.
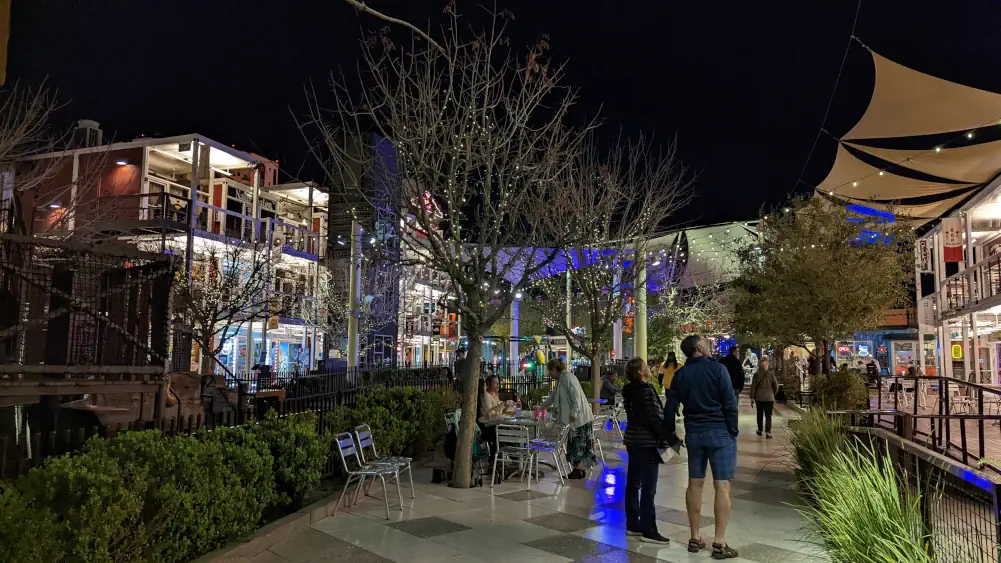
column 695, row 546
column 723, row 551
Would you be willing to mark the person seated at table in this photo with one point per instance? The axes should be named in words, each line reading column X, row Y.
column 490, row 401
column 573, row 409
column 608, row 388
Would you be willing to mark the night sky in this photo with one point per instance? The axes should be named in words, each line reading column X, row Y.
column 742, row 85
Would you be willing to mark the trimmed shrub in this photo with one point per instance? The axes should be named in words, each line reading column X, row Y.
column 404, row 420
column 97, row 506
column 198, row 494
column 842, row 390
column 27, row 534
column 299, row 454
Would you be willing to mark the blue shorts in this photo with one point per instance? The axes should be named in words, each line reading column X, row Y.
column 715, row 447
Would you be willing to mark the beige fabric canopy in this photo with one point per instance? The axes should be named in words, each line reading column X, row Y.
column 850, row 177
column 906, row 103
column 974, row 164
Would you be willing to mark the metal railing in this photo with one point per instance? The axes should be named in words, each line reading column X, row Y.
column 959, row 505
column 958, row 425
column 977, row 283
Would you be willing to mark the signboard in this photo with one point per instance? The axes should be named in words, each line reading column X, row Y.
column 863, row 350
column 844, row 351
column 922, row 253
column 926, row 311
column 952, row 239
column 957, row 351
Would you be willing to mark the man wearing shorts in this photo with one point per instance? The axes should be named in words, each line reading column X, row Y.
column 703, row 387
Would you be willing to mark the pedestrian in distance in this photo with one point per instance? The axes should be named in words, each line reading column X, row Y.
column 764, row 385
column 735, row 369
column 704, row 388
column 643, row 436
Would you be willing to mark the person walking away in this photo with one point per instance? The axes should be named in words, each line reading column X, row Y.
column 572, row 408
column 643, row 435
column 608, row 388
column 735, row 370
column 704, row 388
column 764, row 385
column 667, row 372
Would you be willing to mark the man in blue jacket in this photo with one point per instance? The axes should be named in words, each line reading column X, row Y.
column 703, row 386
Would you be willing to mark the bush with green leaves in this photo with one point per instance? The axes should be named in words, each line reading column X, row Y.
column 198, row 493
column 404, row 420
column 299, row 454
column 27, row 534
column 861, row 511
column 841, row 390
column 97, row 506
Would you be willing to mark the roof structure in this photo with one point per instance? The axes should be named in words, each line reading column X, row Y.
column 923, row 146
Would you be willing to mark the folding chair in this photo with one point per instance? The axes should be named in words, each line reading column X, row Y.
column 402, row 464
column 347, row 449
column 513, row 445
column 596, row 428
column 556, row 447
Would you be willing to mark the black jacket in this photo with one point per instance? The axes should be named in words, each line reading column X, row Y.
column 736, row 371
column 645, row 413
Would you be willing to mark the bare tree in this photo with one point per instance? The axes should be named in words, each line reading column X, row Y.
column 680, row 311
column 231, row 286
column 329, row 309
column 611, row 207
column 478, row 147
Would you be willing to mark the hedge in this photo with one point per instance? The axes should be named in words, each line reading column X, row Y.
column 404, row 420
column 142, row 496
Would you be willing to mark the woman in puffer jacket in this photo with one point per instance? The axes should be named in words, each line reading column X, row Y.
column 644, row 429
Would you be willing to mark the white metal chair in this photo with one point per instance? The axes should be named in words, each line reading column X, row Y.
column 557, row 446
column 596, row 428
column 959, row 401
column 347, row 449
column 513, row 445
column 402, row 464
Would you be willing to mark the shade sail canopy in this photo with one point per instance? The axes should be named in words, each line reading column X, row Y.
column 852, row 178
column 907, row 103
column 975, row 164
column 916, row 150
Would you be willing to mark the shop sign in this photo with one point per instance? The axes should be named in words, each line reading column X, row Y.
column 957, row 351
column 923, row 252
column 844, row 351
column 863, row 350
column 952, row 239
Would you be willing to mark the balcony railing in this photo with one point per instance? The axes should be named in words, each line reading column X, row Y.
column 978, row 283
column 164, row 210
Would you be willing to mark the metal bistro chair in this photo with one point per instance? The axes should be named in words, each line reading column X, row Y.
column 402, row 464
column 596, row 428
column 347, row 449
column 513, row 445
column 557, row 447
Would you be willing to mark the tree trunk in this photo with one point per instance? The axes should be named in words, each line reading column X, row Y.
column 826, row 365
column 467, row 423
column 595, row 380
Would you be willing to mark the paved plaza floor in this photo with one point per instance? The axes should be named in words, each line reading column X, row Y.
column 581, row 521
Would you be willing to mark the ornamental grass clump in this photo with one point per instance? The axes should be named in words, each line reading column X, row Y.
column 862, row 513
column 815, row 437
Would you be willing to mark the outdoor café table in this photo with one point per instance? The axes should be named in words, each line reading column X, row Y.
column 530, row 422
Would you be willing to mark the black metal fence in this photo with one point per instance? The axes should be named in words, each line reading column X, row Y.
column 959, row 505
column 67, row 308
column 959, row 418
column 286, row 392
